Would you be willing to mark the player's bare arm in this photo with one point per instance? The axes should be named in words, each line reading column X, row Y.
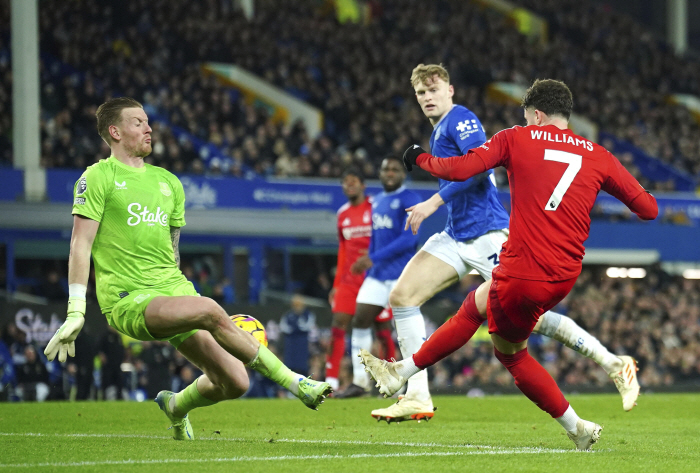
column 175, row 240
column 84, row 231
column 63, row 341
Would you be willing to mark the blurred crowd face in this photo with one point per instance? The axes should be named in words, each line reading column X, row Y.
column 353, row 188
column 435, row 98
column 135, row 133
column 391, row 174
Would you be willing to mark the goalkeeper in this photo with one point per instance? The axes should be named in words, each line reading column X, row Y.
column 128, row 215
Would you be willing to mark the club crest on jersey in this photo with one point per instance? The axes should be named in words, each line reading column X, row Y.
column 150, row 218
column 165, row 189
column 82, row 186
column 120, row 185
column 366, row 218
column 395, row 204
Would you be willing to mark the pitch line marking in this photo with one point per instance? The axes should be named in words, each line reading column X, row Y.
column 280, row 458
column 286, row 440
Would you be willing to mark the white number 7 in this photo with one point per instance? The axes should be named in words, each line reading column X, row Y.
column 574, row 162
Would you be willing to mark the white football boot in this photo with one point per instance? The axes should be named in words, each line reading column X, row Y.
column 405, row 409
column 626, row 382
column 383, row 372
column 587, row 433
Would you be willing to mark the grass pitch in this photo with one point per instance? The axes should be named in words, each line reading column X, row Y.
column 498, row 433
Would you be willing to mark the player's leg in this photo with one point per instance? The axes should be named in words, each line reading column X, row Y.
column 514, row 306
column 168, row 316
column 343, row 308
column 373, row 293
column 383, row 328
column 336, row 350
column 449, row 337
column 621, row 369
column 224, row 378
column 432, row 269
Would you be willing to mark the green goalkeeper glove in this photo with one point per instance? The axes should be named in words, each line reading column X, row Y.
column 63, row 341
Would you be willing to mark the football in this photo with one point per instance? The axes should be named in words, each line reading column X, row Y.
column 252, row 326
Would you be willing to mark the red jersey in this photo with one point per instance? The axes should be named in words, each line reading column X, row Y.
column 555, row 176
column 354, row 232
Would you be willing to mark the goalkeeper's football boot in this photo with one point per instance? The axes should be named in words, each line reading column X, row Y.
column 383, row 372
column 626, row 382
column 587, row 433
column 182, row 429
column 405, row 409
column 312, row 393
column 351, row 391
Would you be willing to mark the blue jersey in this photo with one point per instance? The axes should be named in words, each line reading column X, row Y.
column 391, row 246
column 473, row 207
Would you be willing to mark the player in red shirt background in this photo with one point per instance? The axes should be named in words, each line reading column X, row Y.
column 554, row 177
column 354, row 232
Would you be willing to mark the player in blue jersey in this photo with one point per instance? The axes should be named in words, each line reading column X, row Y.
column 391, row 246
column 477, row 227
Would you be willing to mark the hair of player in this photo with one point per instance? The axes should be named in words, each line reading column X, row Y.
column 550, row 96
column 353, row 171
column 422, row 72
column 392, row 157
column 110, row 113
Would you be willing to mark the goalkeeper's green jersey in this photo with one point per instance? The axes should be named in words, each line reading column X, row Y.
column 136, row 208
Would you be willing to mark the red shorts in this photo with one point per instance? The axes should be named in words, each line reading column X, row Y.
column 344, row 299
column 515, row 305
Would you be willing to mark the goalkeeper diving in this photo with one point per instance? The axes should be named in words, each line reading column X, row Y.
column 128, row 214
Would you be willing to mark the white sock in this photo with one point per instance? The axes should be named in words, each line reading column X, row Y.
column 565, row 330
column 361, row 338
column 333, row 382
column 410, row 328
column 569, row 420
column 407, row 367
column 294, row 387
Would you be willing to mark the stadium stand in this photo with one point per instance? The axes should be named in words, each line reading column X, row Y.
column 362, row 89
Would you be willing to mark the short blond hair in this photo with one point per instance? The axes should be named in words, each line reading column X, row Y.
column 110, row 113
column 422, row 72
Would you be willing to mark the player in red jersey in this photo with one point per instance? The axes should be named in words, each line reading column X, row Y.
column 354, row 232
column 555, row 177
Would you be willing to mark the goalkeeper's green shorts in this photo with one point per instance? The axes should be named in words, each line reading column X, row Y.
column 127, row 315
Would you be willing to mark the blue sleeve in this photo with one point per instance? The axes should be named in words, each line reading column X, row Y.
column 406, row 241
column 474, row 141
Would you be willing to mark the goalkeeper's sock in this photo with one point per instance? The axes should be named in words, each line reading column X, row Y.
column 187, row 399
column 268, row 365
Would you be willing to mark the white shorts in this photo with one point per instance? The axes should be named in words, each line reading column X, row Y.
column 375, row 292
column 481, row 254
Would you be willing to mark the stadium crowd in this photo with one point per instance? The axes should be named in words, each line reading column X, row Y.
column 655, row 319
column 92, row 51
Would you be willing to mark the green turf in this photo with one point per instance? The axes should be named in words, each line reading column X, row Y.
column 498, row 433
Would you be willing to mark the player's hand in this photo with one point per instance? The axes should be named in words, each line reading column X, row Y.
column 411, row 155
column 63, row 341
column 331, row 296
column 362, row 264
column 419, row 212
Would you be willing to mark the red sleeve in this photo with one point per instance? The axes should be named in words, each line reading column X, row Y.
column 491, row 154
column 625, row 188
column 340, row 266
